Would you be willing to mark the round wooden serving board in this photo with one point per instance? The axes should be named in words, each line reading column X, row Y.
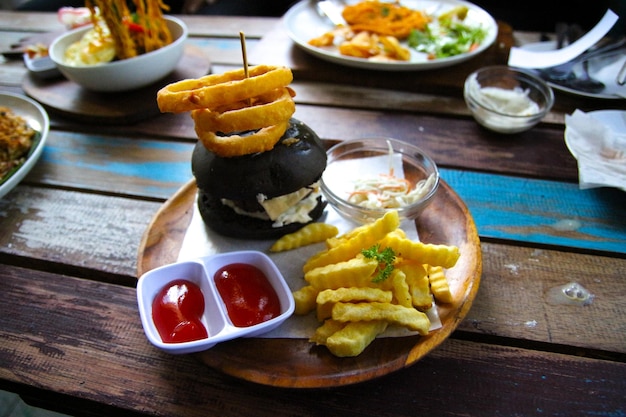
column 297, row 363
column 68, row 99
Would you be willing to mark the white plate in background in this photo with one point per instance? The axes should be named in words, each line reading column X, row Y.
column 304, row 23
column 37, row 118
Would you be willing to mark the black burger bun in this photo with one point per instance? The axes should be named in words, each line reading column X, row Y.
column 288, row 167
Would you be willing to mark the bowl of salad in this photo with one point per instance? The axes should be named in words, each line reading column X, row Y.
column 365, row 178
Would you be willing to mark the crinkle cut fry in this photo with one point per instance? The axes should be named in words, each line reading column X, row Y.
column 356, row 272
column 407, row 317
column 426, row 253
column 354, row 337
column 349, row 248
column 307, row 235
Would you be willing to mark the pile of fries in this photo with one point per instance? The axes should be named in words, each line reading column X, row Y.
column 370, row 278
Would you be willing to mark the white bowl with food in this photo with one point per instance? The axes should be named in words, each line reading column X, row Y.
column 119, row 74
column 507, row 100
column 190, row 306
column 365, row 178
column 27, row 120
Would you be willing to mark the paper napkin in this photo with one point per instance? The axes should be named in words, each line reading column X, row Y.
column 599, row 149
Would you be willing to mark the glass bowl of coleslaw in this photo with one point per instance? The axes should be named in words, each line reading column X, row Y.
column 507, row 100
column 365, row 178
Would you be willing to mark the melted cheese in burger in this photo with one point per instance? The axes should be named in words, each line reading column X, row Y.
column 285, row 209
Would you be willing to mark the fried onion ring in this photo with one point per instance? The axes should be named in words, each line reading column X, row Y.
column 237, row 145
column 266, row 110
column 221, row 89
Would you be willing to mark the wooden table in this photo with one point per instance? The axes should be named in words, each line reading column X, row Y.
column 71, row 338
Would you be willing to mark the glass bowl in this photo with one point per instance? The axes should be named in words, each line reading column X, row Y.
column 507, row 100
column 365, row 163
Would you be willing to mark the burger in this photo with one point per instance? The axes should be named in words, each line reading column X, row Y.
column 266, row 194
column 257, row 169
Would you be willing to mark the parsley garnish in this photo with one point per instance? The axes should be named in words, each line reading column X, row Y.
column 385, row 259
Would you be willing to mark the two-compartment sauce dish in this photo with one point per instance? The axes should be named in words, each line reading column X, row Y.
column 190, row 306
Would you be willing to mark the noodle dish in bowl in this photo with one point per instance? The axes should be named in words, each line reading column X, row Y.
column 122, row 49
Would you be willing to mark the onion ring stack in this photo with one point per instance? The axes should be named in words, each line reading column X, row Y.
column 235, row 115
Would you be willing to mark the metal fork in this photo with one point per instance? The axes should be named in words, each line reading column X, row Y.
column 564, row 70
column 331, row 9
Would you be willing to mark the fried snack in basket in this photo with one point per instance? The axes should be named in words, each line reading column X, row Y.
column 352, row 301
column 235, row 113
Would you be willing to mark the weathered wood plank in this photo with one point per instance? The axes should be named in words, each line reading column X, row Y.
column 514, row 298
column 119, row 165
column 73, row 229
column 50, row 323
column 453, row 141
column 543, row 212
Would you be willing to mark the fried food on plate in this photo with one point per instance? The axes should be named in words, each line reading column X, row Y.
column 369, row 278
column 16, row 139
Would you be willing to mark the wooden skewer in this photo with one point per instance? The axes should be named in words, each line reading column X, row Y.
column 242, row 37
column 244, row 54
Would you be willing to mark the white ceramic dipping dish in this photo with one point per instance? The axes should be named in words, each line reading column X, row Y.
column 215, row 318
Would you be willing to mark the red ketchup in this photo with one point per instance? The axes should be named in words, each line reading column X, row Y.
column 249, row 297
column 176, row 311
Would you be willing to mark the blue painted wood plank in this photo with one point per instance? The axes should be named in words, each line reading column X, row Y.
column 150, row 168
column 544, row 212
